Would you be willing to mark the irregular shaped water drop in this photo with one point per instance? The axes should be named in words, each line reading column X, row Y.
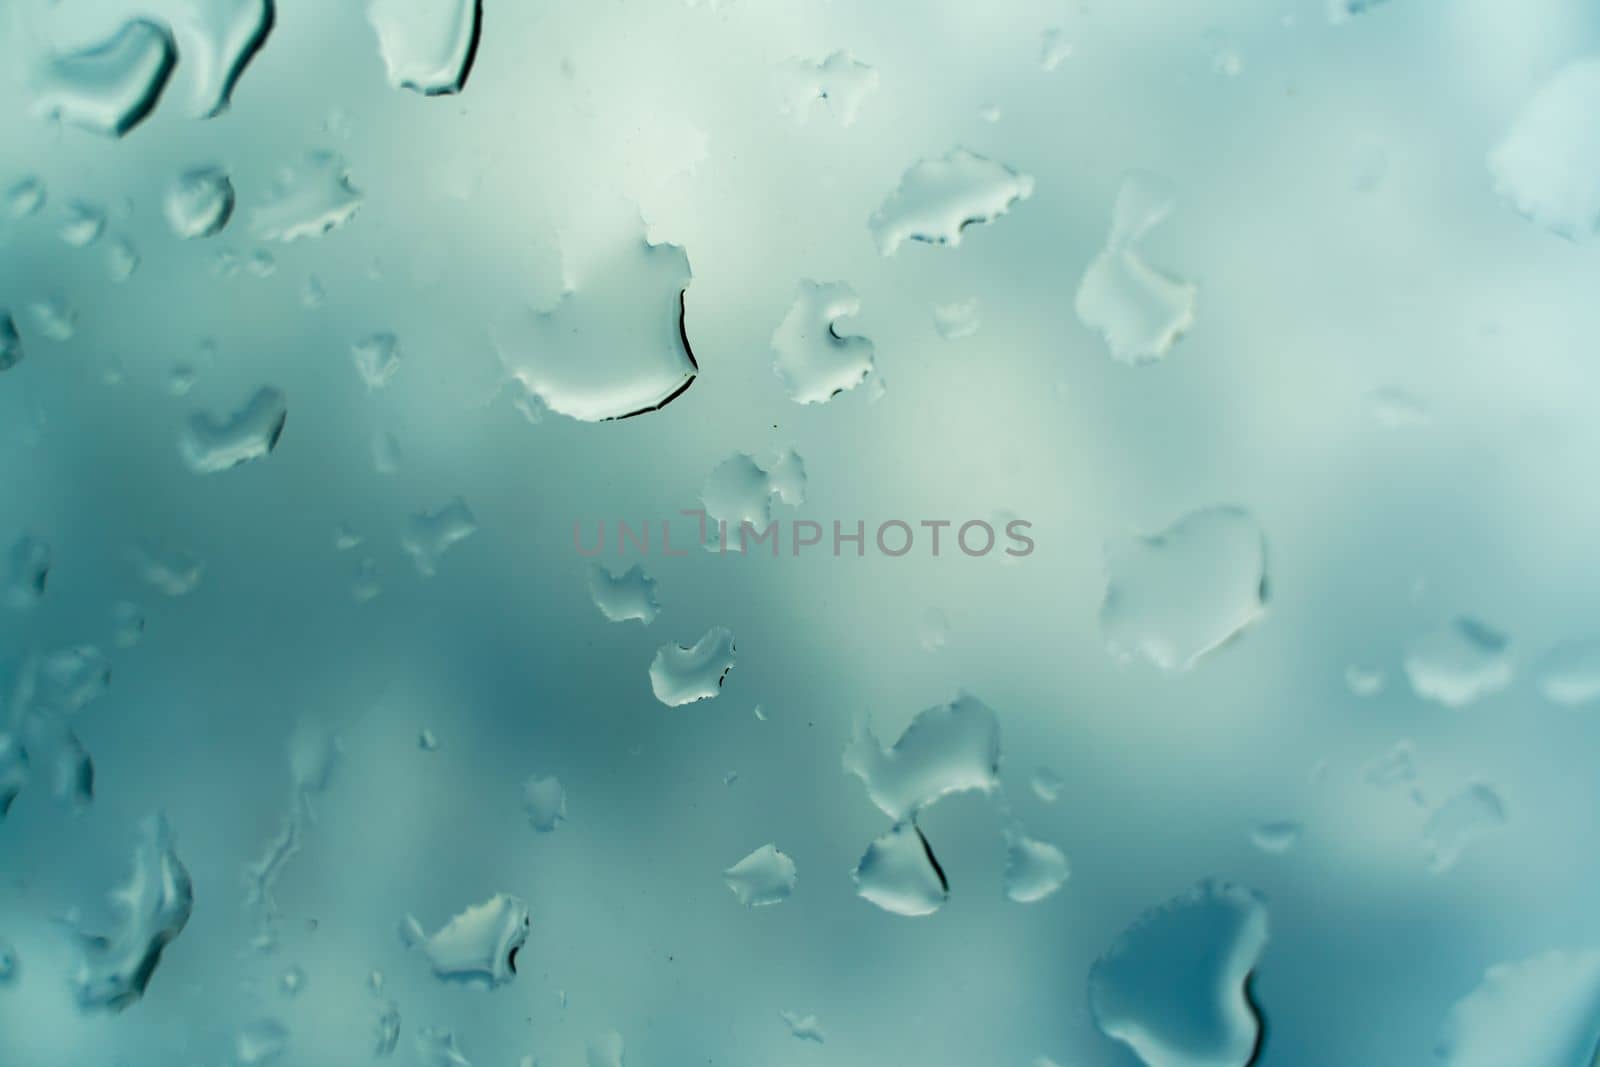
column 13, row 770
column 616, row 343
column 386, row 1029
column 122, row 259
column 9, row 966
column 1459, row 663
column 1034, row 869
column 219, row 39
column 956, row 320
column 899, row 874
column 605, row 1050
column 211, row 443
column 427, row 45
column 308, row 199
column 1543, row 1011
column 199, row 202
column 1276, row 837
column 427, row 741
column 938, row 198
column 1343, row 10
column 152, row 908
column 683, row 674
column 1175, row 987
column 261, row 1041
column 545, row 802
column 949, row 748
column 1547, row 166
column 171, row 570
column 479, row 946
column 1363, row 681
column 26, row 196
column 803, row 1027
column 814, row 361
column 1569, row 675
column 53, row 318
column 766, row 876
column 839, row 83
column 437, row 1048
column 1462, row 819
column 429, row 535
column 109, row 87
column 377, row 357
column 127, row 624
column 933, row 630
column 10, row 341
column 1054, row 49
column 1139, row 311
column 386, row 454
column 1046, row 784
column 82, row 224
column 367, row 583
column 27, row 571
column 71, row 678
column 56, row 749
column 1175, row 596
column 628, row 596
column 292, row 982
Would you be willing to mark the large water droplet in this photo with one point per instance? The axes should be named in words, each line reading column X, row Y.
column 219, row 39
column 1139, row 311
column 479, row 946
column 814, row 361
column 1175, row 987
column 109, row 87
column 151, row 908
column 899, row 874
column 427, row 45
column 683, row 674
column 766, row 876
column 199, row 202
column 428, row 535
column 1538, row 1012
column 950, row 748
column 308, row 199
column 1459, row 663
column 1177, row 595
column 628, row 596
column 211, row 443
column 938, row 198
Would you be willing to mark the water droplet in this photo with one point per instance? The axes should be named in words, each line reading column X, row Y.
column 71, row 678
column 53, row 318
column 1394, row 408
column 803, row 1027
column 386, row 1030
column 13, row 771
column 152, row 908
column 54, row 745
column 261, row 1041
column 427, row 741
column 122, row 259
column 1055, row 49
column 292, row 982
column 950, row 748
column 127, row 624
column 814, row 361
column 9, row 966
column 899, row 874
column 766, row 876
column 313, row 295
column 199, row 202
column 759, row 713
column 220, row 38
column 1539, row 1012
column 1547, row 163
column 10, row 341
column 630, row 595
column 429, row 535
column 26, row 197
column 1395, row 767
column 1342, row 10
column 616, row 343
column 1363, row 681
column 1034, row 869
column 1140, row 312
column 82, row 224
column 1569, row 675
column 545, row 802
column 386, row 454
column 933, row 630
column 479, row 946
column 1276, row 837
column 109, row 87
column 28, row 571
column 308, row 199
column 1458, row 822
column 377, row 357
column 1459, row 663
column 683, row 674
column 938, row 198
column 345, row 538
column 171, row 570
column 730, row 777
column 1175, row 987
column 839, row 83
column 211, row 444
column 366, row 584
column 427, row 45
column 1173, row 597
column 605, row 1050
column 437, row 1048
column 957, row 319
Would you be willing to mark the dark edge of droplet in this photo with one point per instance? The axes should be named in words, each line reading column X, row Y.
column 467, row 60
column 511, row 959
column 944, row 883
column 277, row 430
column 1261, row 1020
column 246, row 55
column 688, row 351
column 158, row 84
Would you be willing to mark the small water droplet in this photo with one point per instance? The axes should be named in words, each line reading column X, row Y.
column 957, row 319
column 199, row 202
column 10, row 341
column 260, row 1042
column 1569, row 675
column 1034, row 869
column 684, row 674
column 82, row 224
column 28, row 571
column 211, row 443
column 1459, row 663
column 1276, row 837
column 605, row 1050
column 803, row 1027
column 949, row 748
column 938, row 198
column 479, row 946
column 1462, row 819
column 437, row 1048
column 1138, row 311
column 1046, row 784
column 122, row 259
column 766, row 876
column 933, row 630
column 428, row 535
column 386, row 1029
column 1055, row 49
column 814, row 361
column 628, row 596
column 308, row 199
column 839, row 83
column 899, row 874
column 53, row 318
column 292, row 982
column 377, row 357
column 545, row 802
column 1363, row 681
column 26, row 196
